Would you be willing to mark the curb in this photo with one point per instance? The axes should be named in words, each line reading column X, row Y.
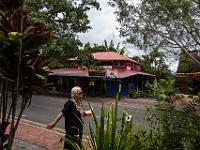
column 55, row 131
column 43, row 126
column 36, row 134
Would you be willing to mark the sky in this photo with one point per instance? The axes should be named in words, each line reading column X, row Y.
column 104, row 26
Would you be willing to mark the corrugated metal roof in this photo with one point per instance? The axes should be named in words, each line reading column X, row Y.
column 111, row 55
column 107, row 56
column 70, row 72
column 188, row 75
column 76, row 72
column 128, row 73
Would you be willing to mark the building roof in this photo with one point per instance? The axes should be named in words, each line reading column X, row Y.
column 107, row 56
column 111, row 55
column 69, row 72
column 188, row 75
column 77, row 72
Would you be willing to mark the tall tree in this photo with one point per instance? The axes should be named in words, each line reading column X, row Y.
column 155, row 63
column 105, row 47
column 65, row 19
column 169, row 25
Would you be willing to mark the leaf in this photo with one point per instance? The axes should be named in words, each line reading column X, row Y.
column 4, row 41
column 92, row 138
column 14, row 36
column 94, row 116
column 5, row 24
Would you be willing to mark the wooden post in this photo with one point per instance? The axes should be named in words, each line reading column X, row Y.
column 137, row 83
column 120, row 88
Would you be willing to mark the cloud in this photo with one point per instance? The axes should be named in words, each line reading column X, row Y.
column 104, row 26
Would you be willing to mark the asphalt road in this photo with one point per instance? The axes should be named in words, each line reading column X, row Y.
column 44, row 108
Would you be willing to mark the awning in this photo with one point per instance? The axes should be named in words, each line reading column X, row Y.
column 78, row 72
column 188, row 75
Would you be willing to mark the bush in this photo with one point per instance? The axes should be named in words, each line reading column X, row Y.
column 136, row 94
column 162, row 89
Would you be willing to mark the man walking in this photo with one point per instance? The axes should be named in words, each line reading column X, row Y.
column 73, row 113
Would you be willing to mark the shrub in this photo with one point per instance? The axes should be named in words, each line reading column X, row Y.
column 162, row 89
column 136, row 94
column 105, row 135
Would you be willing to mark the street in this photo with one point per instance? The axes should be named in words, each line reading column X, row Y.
column 44, row 108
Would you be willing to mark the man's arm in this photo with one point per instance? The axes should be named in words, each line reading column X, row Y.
column 55, row 121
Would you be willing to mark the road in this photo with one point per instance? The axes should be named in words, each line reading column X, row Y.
column 44, row 108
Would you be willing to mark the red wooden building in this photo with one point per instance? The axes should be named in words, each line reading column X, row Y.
column 118, row 73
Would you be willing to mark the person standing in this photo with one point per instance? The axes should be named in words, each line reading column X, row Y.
column 73, row 113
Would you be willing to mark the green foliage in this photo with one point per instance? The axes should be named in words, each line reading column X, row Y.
column 21, row 65
column 168, row 126
column 65, row 19
column 70, row 141
column 55, row 63
column 185, row 62
column 106, row 136
column 155, row 63
column 176, row 127
column 15, row 29
column 162, row 89
column 169, row 25
column 136, row 94
column 105, row 47
column 173, row 125
column 87, row 60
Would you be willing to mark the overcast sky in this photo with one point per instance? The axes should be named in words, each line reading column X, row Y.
column 104, row 26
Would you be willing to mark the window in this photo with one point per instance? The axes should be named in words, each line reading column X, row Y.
column 119, row 63
column 136, row 67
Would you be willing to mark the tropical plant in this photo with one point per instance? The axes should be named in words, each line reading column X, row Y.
column 87, row 60
column 155, row 63
column 174, row 122
column 64, row 19
column 137, row 93
column 162, row 89
column 175, row 126
column 72, row 143
column 105, row 47
column 106, row 134
column 21, row 65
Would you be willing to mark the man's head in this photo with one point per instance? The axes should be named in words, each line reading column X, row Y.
column 76, row 93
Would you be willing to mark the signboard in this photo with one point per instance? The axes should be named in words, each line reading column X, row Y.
column 111, row 73
column 96, row 73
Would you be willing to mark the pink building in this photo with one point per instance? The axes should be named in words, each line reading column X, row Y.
column 118, row 74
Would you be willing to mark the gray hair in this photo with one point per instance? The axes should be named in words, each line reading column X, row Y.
column 74, row 91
